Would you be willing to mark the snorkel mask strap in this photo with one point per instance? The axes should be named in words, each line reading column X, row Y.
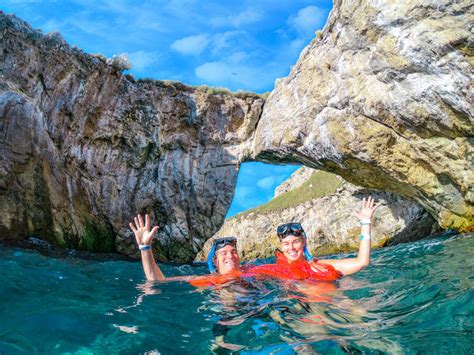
column 210, row 259
column 306, row 252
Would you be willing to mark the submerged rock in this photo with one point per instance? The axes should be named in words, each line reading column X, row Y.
column 328, row 220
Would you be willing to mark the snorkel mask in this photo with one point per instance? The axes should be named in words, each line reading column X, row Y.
column 295, row 229
column 219, row 244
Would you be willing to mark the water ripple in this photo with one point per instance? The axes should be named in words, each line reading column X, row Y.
column 413, row 298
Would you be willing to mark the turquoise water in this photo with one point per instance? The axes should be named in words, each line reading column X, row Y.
column 414, row 298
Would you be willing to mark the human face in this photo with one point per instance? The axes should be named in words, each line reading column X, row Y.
column 292, row 247
column 227, row 259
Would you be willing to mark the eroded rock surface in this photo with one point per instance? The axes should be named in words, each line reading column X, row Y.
column 85, row 147
column 384, row 98
column 329, row 221
column 295, row 180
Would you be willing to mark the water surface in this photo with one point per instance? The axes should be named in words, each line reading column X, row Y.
column 413, row 298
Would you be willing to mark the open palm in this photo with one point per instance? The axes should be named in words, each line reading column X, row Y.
column 142, row 230
column 368, row 208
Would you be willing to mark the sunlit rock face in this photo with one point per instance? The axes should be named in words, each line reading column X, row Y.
column 84, row 148
column 329, row 221
column 383, row 97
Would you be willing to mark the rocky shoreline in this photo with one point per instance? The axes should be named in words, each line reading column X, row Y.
column 54, row 251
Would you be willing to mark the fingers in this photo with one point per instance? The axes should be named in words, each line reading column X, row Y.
column 147, row 221
column 140, row 223
column 154, row 230
column 132, row 227
column 370, row 202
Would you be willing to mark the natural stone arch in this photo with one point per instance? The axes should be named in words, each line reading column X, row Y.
column 353, row 105
column 383, row 97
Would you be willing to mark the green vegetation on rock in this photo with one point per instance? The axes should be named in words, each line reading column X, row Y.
column 320, row 184
column 97, row 238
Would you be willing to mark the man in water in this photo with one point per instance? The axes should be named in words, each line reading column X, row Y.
column 223, row 254
column 293, row 244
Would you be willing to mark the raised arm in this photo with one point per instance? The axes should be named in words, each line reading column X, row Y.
column 352, row 265
column 144, row 236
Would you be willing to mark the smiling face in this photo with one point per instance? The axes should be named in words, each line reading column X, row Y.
column 227, row 259
column 292, row 247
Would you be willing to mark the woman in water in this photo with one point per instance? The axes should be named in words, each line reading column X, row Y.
column 293, row 245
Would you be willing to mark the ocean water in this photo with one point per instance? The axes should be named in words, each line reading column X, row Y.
column 414, row 298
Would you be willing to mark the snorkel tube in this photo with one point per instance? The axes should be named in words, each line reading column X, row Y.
column 306, row 252
column 210, row 259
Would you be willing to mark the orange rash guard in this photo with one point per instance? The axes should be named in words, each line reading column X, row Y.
column 298, row 270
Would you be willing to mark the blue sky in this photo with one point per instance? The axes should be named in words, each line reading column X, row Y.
column 256, row 184
column 240, row 45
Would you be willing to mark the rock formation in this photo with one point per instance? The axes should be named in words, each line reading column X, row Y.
column 383, row 97
column 298, row 178
column 328, row 220
column 84, row 148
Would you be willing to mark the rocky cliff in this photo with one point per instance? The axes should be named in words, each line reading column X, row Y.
column 383, row 97
column 298, row 178
column 85, row 147
column 327, row 217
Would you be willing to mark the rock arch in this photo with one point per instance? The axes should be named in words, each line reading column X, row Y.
column 383, row 98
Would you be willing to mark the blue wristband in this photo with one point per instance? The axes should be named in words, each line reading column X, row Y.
column 364, row 237
column 144, row 247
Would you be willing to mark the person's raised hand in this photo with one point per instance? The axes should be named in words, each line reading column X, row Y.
column 143, row 233
column 367, row 209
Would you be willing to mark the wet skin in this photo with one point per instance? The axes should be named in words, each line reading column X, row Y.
column 292, row 247
column 227, row 259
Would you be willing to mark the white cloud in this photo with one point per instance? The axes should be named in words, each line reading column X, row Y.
column 192, row 45
column 308, row 19
column 238, row 57
column 246, row 195
column 213, row 72
column 225, row 40
column 142, row 60
column 267, row 183
column 51, row 26
column 235, row 71
column 218, row 43
column 89, row 26
column 245, row 17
